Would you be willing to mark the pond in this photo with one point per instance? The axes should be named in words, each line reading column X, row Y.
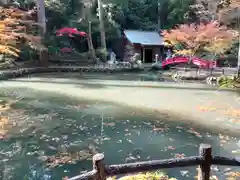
column 57, row 121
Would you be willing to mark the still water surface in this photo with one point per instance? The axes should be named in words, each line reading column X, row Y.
column 129, row 117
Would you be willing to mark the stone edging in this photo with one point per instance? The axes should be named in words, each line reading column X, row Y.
column 8, row 74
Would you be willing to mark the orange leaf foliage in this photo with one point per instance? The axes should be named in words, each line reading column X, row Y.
column 195, row 37
column 15, row 29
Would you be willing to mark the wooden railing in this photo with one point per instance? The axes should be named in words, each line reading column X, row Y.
column 204, row 160
column 219, row 70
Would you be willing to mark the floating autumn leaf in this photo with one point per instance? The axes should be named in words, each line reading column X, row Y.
column 233, row 176
column 206, row 108
column 110, row 124
column 236, row 121
column 236, row 151
column 233, row 112
column 223, row 139
column 157, row 129
column 3, row 123
column 171, row 148
column 192, row 131
column 213, row 177
column 180, row 156
column 4, row 107
column 67, row 158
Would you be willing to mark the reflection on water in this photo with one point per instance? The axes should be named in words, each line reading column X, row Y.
column 46, row 123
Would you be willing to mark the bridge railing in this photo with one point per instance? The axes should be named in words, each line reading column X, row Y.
column 204, row 161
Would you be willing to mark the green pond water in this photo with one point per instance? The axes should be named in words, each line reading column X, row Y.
column 90, row 113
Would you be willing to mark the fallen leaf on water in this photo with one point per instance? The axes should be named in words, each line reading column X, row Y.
column 213, row 178
column 2, row 137
column 236, row 151
column 109, row 124
column 128, row 134
column 106, row 139
column 236, row 121
column 171, row 148
column 192, row 131
column 179, row 127
column 233, row 176
column 184, row 173
column 67, row 158
column 4, row 107
column 233, row 112
column 206, row 108
column 130, row 141
column 179, row 155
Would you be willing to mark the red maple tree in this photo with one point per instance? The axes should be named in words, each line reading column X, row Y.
column 194, row 38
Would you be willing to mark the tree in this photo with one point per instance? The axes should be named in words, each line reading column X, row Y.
column 225, row 11
column 196, row 38
column 102, row 29
column 221, row 43
column 229, row 14
column 41, row 16
column 87, row 16
column 16, row 30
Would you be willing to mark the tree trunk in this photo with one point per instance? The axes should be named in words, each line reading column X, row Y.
column 90, row 43
column 4, row 2
column 91, row 49
column 159, row 17
column 213, row 59
column 238, row 71
column 43, row 54
column 41, row 16
column 189, row 62
column 102, row 29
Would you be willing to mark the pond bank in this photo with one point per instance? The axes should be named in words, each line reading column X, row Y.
column 8, row 74
column 202, row 74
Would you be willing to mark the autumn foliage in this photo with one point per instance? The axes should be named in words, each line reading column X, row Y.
column 195, row 38
column 229, row 13
column 15, row 30
column 225, row 11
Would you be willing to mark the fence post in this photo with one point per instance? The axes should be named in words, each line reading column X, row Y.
column 98, row 165
column 205, row 151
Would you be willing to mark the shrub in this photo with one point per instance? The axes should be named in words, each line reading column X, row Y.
column 229, row 82
column 145, row 176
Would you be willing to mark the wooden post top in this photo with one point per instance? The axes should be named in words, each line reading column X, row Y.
column 98, row 157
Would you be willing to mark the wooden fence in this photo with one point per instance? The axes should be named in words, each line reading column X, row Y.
column 218, row 70
column 204, row 161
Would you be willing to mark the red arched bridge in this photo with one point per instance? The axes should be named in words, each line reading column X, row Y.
column 201, row 63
